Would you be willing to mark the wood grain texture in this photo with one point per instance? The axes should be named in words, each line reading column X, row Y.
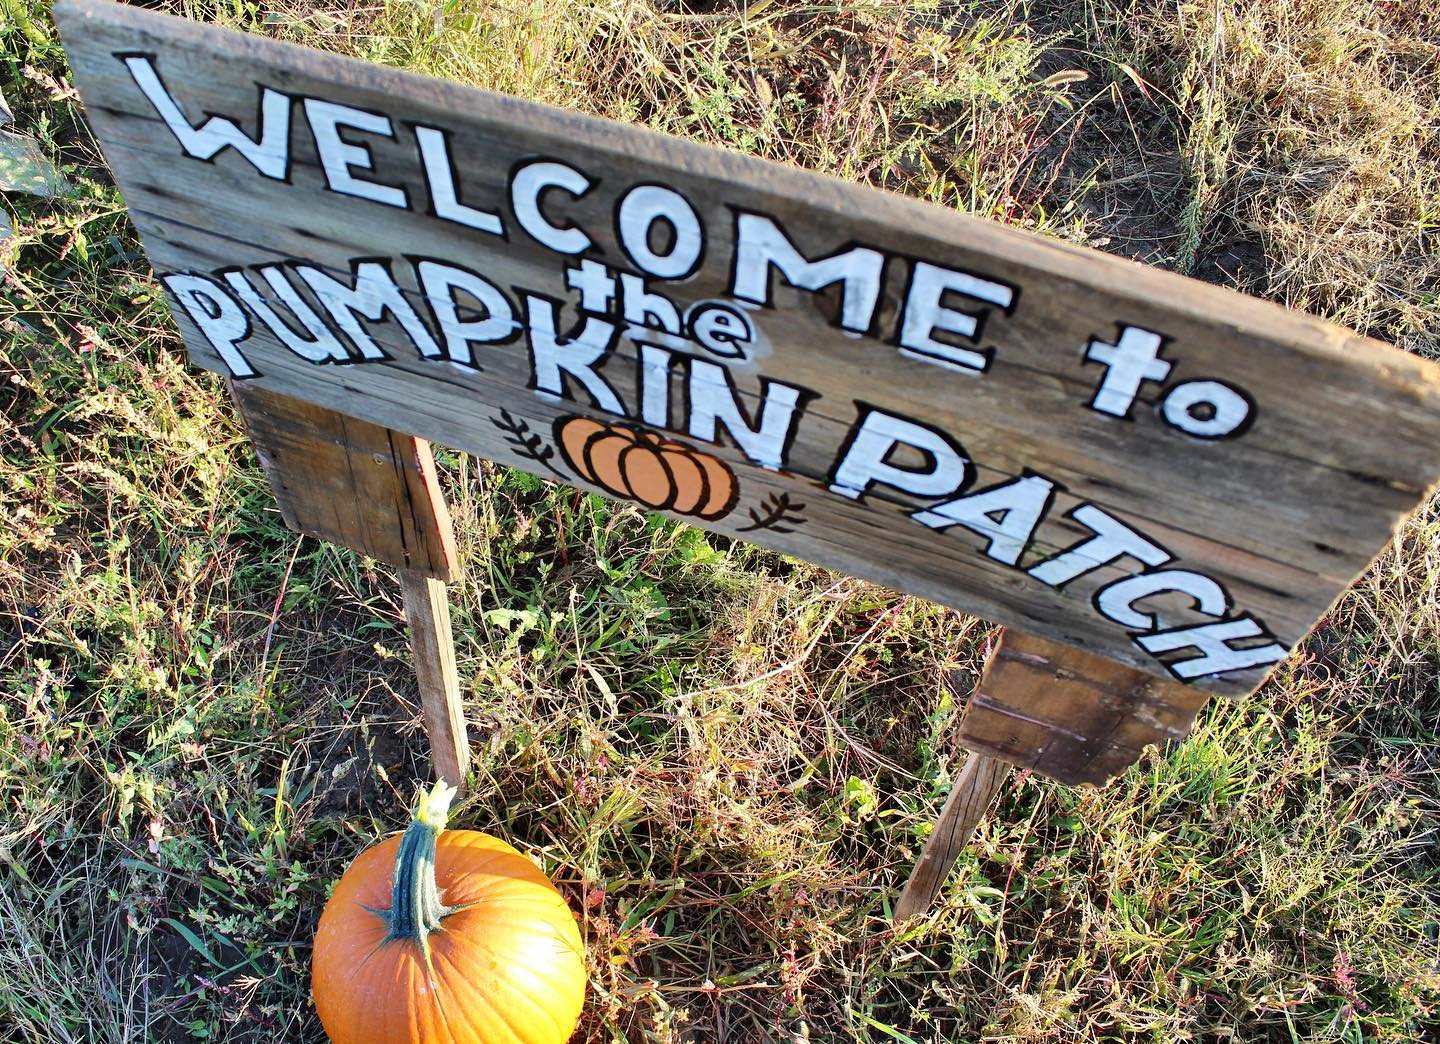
column 975, row 788
column 1280, row 518
column 373, row 490
column 427, row 611
column 357, row 484
column 1074, row 717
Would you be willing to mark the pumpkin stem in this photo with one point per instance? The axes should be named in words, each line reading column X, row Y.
column 415, row 906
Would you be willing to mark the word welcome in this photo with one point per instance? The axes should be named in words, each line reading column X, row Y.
column 941, row 321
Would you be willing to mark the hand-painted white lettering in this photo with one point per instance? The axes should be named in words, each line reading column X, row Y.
column 642, row 307
column 439, row 283
column 1205, row 409
column 321, row 346
column 713, row 398
column 595, row 285
column 925, row 313
column 866, row 459
column 269, row 154
column 1113, row 539
column 655, row 385
column 218, row 316
column 338, row 157
column 1006, row 515
column 720, row 329
column 640, row 208
column 760, row 244
column 374, row 293
column 1213, row 642
column 552, row 357
column 1132, row 359
column 1117, row 601
column 526, row 188
column 440, row 176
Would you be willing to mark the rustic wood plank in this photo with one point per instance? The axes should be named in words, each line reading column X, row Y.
column 373, row 490
column 1334, row 442
column 352, row 482
column 975, row 788
column 427, row 610
column 1075, row 717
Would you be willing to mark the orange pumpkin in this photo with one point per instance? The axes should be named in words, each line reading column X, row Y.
column 447, row 937
column 643, row 466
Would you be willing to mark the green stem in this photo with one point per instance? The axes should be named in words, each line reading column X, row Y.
column 415, row 906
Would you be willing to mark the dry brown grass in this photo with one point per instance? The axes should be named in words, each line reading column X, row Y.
column 1309, row 128
column 727, row 760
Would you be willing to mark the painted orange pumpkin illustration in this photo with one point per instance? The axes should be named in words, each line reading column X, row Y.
column 648, row 468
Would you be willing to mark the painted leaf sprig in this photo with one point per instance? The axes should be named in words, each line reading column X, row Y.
column 526, row 442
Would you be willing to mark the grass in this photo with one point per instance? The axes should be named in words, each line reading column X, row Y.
column 726, row 759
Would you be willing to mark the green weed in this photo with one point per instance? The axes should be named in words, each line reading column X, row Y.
column 728, row 760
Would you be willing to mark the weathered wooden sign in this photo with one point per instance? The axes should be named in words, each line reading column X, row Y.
column 1163, row 473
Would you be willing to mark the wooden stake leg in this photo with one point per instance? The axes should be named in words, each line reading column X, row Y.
column 427, row 610
column 374, row 490
column 1060, row 711
column 980, row 780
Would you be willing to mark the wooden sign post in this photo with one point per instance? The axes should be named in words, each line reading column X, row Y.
column 374, row 490
column 1163, row 483
column 1074, row 717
